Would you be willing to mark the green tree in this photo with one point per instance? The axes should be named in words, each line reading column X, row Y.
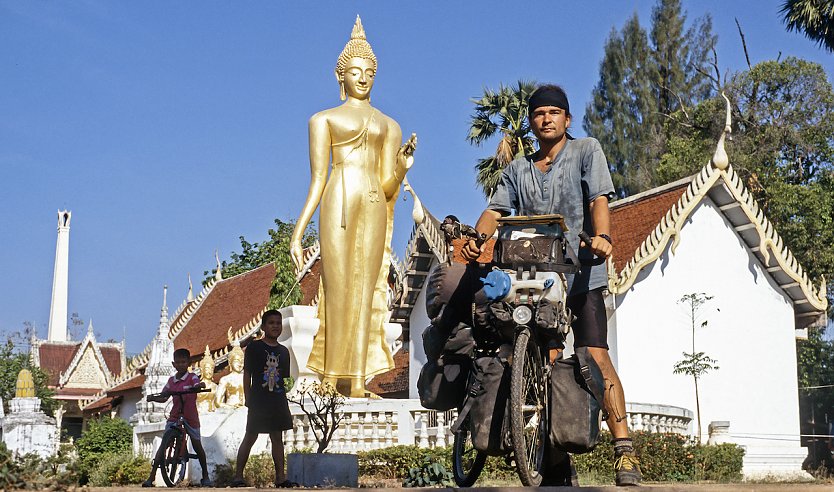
column 815, row 358
column 502, row 112
column 12, row 361
column 815, row 18
column 644, row 78
column 782, row 147
column 695, row 364
column 276, row 249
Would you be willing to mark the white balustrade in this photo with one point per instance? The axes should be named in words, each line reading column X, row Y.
column 373, row 424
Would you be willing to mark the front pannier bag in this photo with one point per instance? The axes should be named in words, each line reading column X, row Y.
column 576, row 411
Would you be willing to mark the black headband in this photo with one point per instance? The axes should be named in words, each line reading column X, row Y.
column 548, row 98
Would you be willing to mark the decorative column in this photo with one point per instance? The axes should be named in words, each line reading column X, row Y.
column 60, row 281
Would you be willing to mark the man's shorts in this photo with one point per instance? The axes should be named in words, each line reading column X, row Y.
column 193, row 432
column 590, row 328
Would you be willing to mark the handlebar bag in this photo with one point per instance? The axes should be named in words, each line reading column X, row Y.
column 576, row 413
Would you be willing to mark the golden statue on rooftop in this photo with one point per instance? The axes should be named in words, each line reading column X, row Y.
column 363, row 149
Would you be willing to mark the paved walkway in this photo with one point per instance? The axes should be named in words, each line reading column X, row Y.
column 744, row 487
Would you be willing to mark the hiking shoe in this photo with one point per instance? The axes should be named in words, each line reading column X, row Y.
column 147, row 483
column 627, row 469
column 206, row 483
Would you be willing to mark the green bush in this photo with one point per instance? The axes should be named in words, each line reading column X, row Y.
column 34, row 473
column 259, row 472
column 119, row 469
column 430, row 473
column 720, row 463
column 103, row 436
column 396, row 461
column 665, row 458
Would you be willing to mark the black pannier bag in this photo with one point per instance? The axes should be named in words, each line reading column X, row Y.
column 576, row 410
column 540, row 243
column 442, row 381
column 442, row 386
column 450, row 291
column 486, row 405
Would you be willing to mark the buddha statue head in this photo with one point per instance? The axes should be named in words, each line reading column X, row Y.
column 356, row 65
column 206, row 365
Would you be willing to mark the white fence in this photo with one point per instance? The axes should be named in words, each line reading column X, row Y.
column 373, row 424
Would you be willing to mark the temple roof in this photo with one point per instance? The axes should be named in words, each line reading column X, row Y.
column 56, row 358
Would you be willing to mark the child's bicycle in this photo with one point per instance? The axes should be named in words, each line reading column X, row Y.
column 175, row 445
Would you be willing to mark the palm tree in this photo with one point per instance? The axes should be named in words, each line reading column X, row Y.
column 813, row 17
column 501, row 112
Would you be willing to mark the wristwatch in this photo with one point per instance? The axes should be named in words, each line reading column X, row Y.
column 607, row 238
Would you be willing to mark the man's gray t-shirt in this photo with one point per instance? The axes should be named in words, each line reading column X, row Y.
column 577, row 176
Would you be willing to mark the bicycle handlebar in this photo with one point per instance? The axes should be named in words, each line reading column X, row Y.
column 596, row 260
column 186, row 392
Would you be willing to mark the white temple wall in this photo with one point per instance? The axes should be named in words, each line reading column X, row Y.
column 752, row 336
column 418, row 322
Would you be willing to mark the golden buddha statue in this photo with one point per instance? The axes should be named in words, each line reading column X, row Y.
column 355, row 221
column 205, row 401
column 229, row 391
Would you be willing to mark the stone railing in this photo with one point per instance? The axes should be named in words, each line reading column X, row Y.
column 651, row 417
column 373, row 424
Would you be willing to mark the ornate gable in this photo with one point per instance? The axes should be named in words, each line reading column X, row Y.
column 88, row 369
column 718, row 181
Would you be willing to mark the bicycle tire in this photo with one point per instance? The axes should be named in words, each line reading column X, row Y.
column 173, row 463
column 528, row 409
column 467, row 462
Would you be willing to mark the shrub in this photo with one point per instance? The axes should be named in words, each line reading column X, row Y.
column 430, row 473
column 720, row 463
column 666, row 458
column 35, row 473
column 103, row 436
column 259, row 472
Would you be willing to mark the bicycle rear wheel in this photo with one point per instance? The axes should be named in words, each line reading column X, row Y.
column 528, row 408
column 175, row 457
column 467, row 462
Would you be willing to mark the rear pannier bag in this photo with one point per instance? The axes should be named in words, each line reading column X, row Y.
column 442, row 386
column 486, row 405
column 577, row 388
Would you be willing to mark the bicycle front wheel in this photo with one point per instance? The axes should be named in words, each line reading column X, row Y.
column 175, row 457
column 467, row 462
column 528, row 408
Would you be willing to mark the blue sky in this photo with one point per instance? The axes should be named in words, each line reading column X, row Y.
column 171, row 128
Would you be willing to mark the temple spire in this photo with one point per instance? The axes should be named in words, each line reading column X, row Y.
column 190, row 296
column 60, row 281
column 218, row 275
column 163, row 313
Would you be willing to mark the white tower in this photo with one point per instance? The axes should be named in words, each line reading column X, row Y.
column 60, row 281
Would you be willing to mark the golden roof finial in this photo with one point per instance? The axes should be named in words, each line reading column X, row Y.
column 358, row 46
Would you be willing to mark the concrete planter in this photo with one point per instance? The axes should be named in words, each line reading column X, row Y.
column 323, row 469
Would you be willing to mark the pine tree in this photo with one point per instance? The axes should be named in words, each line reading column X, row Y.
column 644, row 79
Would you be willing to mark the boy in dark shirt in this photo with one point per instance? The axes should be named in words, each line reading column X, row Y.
column 265, row 366
column 185, row 407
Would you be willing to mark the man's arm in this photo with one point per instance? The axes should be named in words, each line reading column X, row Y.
column 486, row 226
column 601, row 220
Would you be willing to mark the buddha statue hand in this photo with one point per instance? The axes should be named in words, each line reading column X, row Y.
column 405, row 157
column 297, row 254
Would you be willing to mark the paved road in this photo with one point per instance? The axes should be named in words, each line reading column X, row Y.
column 744, row 487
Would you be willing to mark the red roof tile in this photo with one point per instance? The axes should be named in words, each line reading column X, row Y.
column 393, row 381
column 135, row 382
column 310, row 284
column 55, row 358
column 100, row 405
column 633, row 220
column 113, row 359
column 232, row 302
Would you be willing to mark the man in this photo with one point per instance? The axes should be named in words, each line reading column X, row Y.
column 570, row 177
